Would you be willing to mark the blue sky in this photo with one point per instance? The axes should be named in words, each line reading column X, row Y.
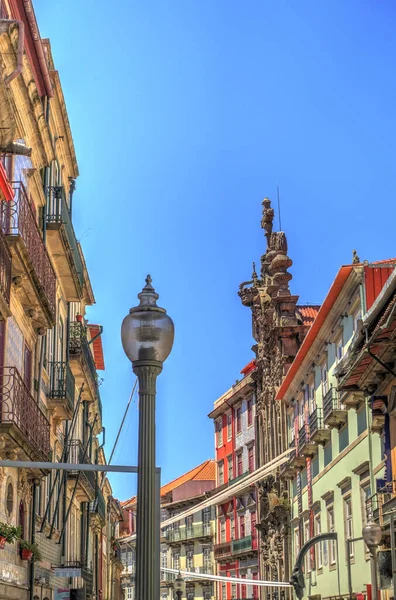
column 185, row 114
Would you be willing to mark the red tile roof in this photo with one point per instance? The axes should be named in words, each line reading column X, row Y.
column 204, row 472
column 308, row 313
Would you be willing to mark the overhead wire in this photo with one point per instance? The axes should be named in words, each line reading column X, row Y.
column 220, row 578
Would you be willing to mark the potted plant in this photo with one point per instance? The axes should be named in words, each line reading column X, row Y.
column 30, row 551
column 8, row 534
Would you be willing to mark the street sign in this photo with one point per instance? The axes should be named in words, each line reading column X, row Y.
column 67, row 572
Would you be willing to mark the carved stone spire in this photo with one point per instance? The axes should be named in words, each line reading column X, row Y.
column 355, row 258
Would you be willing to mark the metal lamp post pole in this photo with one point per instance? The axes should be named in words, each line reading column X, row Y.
column 373, row 564
column 372, row 535
column 147, row 338
column 146, row 546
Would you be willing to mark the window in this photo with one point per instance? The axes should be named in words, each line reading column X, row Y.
column 324, row 380
column 251, row 458
column 239, row 419
column 234, row 590
column 223, row 591
column 327, row 454
column 221, row 472
column 339, row 350
column 176, row 560
column 229, row 426
column 241, row 526
column 296, row 542
column 253, row 530
column 348, row 523
column 319, row 547
column 250, row 411
column 243, row 587
column 206, row 558
column 190, row 557
column 365, row 494
column 255, row 588
column 362, row 420
column 206, row 519
column 190, row 593
column 343, row 438
column 314, row 466
column 164, row 558
column 129, row 593
column 308, row 554
column 312, row 403
column 230, row 468
column 356, row 320
column 219, row 433
column 330, row 528
column 10, row 500
column 222, row 531
column 189, row 522
column 239, row 464
column 232, row 528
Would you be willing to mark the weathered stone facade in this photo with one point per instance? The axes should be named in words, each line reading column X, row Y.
column 278, row 330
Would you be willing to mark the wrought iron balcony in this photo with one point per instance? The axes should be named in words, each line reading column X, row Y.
column 306, row 446
column 61, row 394
column 288, row 468
column 31, row 264
column 196, row 531
column 222, row 551
column 243, row 545
column 5, row 277
column 63, row 244
column 334, row 412
column 86, row 479
column 98, row 506
column 82, row 362
column 318, row 430
column 21, row 418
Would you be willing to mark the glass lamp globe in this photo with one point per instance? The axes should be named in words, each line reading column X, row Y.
column 147, row 332
column 372, row 534
column 179, row 584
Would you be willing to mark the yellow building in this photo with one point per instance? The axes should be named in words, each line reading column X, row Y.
column 187, row 545
column 50, row 407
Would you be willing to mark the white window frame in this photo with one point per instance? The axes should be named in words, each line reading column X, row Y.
column 339, row 350
column 319, row 547
column 324, row 376
column 219, row 432
column 229, row 426
column 220, row 471
column 348, row 521
column 331, row 529
column 230, row 472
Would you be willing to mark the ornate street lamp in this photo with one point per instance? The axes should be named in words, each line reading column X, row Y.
column 147, row 338
column 179, row 586
column 372, row 534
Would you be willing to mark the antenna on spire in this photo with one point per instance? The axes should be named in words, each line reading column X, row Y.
column 279, row 215
column 279, row 212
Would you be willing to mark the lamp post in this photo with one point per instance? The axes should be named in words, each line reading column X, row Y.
column 179, row 586
column 372, row 534
column 147, row 338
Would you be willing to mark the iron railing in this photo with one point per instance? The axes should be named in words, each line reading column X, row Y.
column 62, row 384
column 98, row 506
column 316, row 421
column 18, row 219
column 331, row 402
column 222, row 550
column 78, row 456
column 5, row 269
column 18, row 407
column 196, row 530
column 303, row 437
column 78, row 346
column 58, row 212
column 242, row 545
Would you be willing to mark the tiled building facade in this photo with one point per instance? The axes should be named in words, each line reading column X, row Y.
column 236, row 549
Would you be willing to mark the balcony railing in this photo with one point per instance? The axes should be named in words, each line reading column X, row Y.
column 87, row 575
column 58, row 212
column 197, row 530
column 303, row 437
column 222, row 550
column 78, row 346
column 78, row 456
column 18, row 219
column 98, row 506
column 242, row 545
column 331, row 402
column 18, row 408
column 5, row 269
column 316, row 421
column 62, row 384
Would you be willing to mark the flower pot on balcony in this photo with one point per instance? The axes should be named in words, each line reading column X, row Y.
column 26, row 554
column 2, row 542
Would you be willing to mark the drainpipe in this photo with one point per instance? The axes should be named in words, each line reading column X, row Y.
column 41, row 364
column 65, row 498
column 21, row 37
column 45, row 184
column 36, row 482
column 38, row 46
